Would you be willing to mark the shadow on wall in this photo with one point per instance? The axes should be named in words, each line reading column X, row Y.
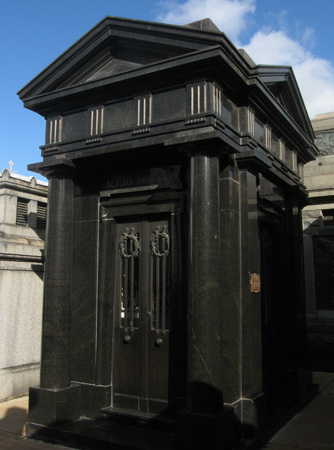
column 39, row 268
column 33, row 222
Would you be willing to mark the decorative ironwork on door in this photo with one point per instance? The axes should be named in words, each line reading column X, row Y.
column 160, row 247
column 130, row 248
column 144, row 312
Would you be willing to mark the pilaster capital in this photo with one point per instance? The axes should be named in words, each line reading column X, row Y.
column 64, row 168
column 203, row 149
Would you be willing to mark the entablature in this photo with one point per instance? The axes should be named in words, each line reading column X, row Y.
column 184, row 113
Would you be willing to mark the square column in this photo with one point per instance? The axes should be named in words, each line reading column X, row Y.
column 55, row 382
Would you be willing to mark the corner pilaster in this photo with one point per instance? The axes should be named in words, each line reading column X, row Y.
column 55, row 381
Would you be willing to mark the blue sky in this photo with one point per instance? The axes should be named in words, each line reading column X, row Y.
column 33, row 33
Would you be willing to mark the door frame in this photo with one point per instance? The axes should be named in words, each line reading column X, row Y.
column 136, row 206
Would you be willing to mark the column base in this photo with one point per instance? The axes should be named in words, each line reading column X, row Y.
column 54, row 407
column 251, row 415
column 209, row 431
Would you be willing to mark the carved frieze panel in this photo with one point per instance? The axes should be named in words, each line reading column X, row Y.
column 197, row 98
column 53, row 130
column 96, row 120
column 282, row 150
column 325, row 141
column 259, row 131
column 275, row 145
column 217, row 100
column 143, row 108
column 251, row 122
column 267, row 132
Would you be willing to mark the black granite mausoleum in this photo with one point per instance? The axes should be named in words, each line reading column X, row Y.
column 174, row 300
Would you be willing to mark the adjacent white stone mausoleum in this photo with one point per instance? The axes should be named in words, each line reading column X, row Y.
column 23, row 203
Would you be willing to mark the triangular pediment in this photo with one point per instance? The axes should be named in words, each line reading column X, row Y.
column 116, row 46
column 113, row 67
column 281, row 82
column 117, row 58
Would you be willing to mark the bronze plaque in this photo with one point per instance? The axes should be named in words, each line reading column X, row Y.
column 255, row 282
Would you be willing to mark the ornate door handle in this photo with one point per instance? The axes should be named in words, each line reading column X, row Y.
column 158, row 342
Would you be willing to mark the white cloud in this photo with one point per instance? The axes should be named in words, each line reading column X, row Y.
column 308, row 36
column 315, row 76
column 228, row 15
column 274, row 47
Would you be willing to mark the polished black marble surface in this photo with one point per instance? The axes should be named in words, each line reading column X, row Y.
column 56, row 331
column 229, row 188
column 84, row 285
column 103, row 435
column 251, row 301
column 205, row 386
column 54, row 407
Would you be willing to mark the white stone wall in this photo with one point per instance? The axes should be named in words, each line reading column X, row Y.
column 21, row 289
column 319, row 177
column 21, row 286
column 7, row 208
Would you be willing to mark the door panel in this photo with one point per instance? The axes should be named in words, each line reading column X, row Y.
column 127, row 314
column 160, row 283
column 142, row 313
column 274, row 317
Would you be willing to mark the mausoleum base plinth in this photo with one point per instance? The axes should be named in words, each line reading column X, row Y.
column 53, row 407
column 102, row 435
column 251, row 413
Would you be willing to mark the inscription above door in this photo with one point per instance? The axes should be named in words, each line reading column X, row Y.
column 136, row 179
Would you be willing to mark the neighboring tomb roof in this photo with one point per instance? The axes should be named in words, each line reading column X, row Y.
column 204, row 24
column 6, row 175
column 322, row 122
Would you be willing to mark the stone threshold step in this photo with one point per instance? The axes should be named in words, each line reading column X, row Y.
column 163, row 417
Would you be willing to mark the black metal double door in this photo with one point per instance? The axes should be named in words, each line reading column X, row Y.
column 142, row 318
